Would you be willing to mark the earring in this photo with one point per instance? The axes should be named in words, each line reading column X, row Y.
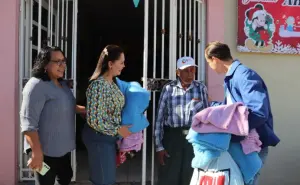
column 45, row 71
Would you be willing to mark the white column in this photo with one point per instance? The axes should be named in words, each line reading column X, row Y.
column 51, row 22
column 57, row 24
column 145, row 74
column 203, row 41
column 153, row 101
column 74, row 71
column 163, row 40
column 40, row 26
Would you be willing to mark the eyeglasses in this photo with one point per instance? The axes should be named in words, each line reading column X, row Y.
column 60, row 62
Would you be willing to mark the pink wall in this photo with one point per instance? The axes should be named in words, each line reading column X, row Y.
column 9, row 13
column 215, row 31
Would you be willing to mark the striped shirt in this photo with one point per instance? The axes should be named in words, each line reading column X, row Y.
column 177, row 107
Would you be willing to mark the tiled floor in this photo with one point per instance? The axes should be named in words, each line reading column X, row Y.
column 129, row 173
column 88, row 183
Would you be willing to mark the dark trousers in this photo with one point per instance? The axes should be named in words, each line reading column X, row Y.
column 60, row 170
column 101, row 156
column 177, row 169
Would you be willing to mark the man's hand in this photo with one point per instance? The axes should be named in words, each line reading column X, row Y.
column 36, row 160
column 161, row 156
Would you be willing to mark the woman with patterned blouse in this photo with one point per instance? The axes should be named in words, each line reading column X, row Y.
column 104, row 105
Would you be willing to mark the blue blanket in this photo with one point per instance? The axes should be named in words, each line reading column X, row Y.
column 136, row 102
column 207, row 147
column 249, row 164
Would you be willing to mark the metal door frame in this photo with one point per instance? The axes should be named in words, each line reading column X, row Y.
column 23, row 57
column 26, row 46
column 174, row 39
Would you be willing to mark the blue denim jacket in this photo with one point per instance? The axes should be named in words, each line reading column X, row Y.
column 246, row 86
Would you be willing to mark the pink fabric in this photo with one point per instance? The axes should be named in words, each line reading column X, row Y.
column 132, row 142
column 251, row 143
column 231, row 119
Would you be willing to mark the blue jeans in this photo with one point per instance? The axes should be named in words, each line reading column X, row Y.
column 101, row 156
column 263, row 154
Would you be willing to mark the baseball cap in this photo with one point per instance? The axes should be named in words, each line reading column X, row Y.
column 185, row 62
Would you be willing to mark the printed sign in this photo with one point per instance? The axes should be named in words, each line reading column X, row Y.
column 269, row 26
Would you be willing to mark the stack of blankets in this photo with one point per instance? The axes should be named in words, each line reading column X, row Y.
column 136, row 102
column 210, row 136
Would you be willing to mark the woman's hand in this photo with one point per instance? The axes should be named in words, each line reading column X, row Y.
column 36, row 160
column 80, row 110
column 124, row 131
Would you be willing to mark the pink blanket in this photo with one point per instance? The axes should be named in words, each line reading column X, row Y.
column 232, row 119
column 251, row 143
column 131, row 143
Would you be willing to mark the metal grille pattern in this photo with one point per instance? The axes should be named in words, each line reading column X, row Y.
column 45, row 22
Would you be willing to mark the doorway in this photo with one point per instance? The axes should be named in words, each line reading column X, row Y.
column 176, row 28
column 101, row 23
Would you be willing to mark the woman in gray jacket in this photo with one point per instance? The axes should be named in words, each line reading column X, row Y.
column 48, row 118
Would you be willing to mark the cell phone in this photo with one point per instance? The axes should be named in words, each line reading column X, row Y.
column 44, row 169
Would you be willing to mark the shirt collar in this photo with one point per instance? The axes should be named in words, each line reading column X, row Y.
column 233, row 67
column 177, row 83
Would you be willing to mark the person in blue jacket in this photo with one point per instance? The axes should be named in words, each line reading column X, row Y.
column 242, row 84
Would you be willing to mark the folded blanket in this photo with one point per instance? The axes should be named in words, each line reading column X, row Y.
column 251, row 143
column 231, row 119
column 136, row 102
column 249, row 164
column 207, row 147
column 132, row 143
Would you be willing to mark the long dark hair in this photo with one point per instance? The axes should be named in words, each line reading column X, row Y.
column 109, row 53
column 42, row 60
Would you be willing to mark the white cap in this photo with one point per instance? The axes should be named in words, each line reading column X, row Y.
column 185, row 62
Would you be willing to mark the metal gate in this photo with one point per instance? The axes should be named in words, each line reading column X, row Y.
column 178, row 28
column 45, row 22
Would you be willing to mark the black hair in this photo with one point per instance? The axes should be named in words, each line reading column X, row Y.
column 218, row 50
column 42, row 60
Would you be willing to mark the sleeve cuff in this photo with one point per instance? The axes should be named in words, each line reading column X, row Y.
column 27, row 125
column 158, row 149
column 28, row 129
column 215, row 103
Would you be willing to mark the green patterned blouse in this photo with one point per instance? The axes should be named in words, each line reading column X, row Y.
column 104, row 105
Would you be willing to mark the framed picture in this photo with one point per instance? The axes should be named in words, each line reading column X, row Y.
column 269, row 26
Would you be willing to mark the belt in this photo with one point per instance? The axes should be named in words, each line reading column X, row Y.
column 183, row 130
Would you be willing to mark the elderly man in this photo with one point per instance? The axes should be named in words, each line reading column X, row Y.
column 180, row 100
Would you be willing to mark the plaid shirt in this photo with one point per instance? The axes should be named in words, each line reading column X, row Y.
column 178, row 106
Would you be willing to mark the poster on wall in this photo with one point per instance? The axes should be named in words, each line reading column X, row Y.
column 269, row 26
